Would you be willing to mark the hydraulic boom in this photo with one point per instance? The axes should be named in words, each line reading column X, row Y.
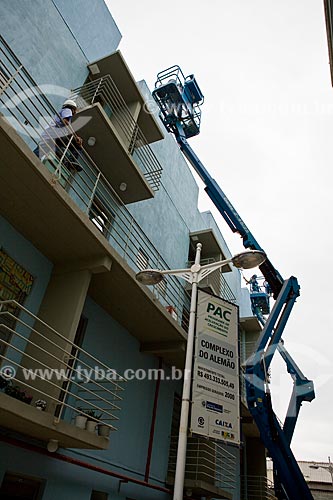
column 179, row 99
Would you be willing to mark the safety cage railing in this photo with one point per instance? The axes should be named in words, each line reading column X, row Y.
column 179, row 99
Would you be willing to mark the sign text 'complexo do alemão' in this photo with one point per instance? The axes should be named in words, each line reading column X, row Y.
column 215, row 391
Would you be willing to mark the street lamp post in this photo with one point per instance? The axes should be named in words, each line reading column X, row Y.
column 245, row 260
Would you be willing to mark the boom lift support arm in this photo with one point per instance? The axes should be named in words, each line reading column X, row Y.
column 179, row 101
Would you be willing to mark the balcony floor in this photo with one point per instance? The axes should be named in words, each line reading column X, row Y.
column 21, row 417
column 110, row 154
column 202, row 488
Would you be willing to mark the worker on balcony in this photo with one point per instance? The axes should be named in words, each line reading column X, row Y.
column 60, row 136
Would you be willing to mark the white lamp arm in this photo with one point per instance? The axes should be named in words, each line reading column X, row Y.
column 209, row 268
column 186, row 274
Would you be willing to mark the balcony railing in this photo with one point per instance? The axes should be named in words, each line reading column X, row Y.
column 207, row 461
column 41, row 367
column 217, row 281
column 257, row 488
column 29, row 112
column 246, row 349
column 107, row 94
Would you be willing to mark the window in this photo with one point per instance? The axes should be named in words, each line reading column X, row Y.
column 101, row 216
column 98, row 495
column 142, row 260
column 19, row 487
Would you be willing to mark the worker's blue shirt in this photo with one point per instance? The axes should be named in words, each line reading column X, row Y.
column 64, row 113
column 52, row 131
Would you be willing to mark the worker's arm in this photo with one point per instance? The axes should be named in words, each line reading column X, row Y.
column 68, row 125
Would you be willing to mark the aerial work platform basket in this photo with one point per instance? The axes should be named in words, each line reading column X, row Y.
column 179, row 99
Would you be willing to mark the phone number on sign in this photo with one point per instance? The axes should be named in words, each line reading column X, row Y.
column 215, row 378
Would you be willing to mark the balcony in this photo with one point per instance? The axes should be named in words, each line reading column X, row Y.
column 211, row 247
column 51, row 381
column 120, row 147
column 210, row 469
column 90, row 224
column 257, row 488
column 115, row 66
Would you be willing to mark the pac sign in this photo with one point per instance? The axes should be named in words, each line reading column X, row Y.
column 218, row 311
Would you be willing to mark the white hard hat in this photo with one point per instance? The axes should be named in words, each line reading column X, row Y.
column 70, row 102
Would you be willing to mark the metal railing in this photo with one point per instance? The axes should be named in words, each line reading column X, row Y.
column 206, row 461
column 257, row 488
column 105, row 92
column 246, row 349
column 41, row 367
column 25, row 106
column 216, row 281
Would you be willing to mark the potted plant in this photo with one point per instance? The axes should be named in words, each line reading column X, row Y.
column 92, row 420
column 104, row 430
column 40, row 404
column 25, row 397
column 80, row 419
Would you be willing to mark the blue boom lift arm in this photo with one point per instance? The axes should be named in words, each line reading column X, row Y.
column 179, row 99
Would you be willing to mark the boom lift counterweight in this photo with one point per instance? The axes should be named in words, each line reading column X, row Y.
column 179, row 99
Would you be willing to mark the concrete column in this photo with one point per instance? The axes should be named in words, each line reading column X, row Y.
column 64, row 300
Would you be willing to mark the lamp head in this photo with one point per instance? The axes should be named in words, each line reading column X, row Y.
column 149, row 277
column 249, row 259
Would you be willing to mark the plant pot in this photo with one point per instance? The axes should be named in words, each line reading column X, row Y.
column 91, row 426
column 104, row 430
column 80, row 421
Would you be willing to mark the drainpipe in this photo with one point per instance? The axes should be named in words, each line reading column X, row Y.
column 153, row 421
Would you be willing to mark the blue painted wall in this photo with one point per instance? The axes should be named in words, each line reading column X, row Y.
column 120, row 350
column 50, row 38
column 70, row 482
column 92, row 25
column 25, row 254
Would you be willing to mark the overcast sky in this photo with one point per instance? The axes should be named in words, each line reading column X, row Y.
column 266, row 130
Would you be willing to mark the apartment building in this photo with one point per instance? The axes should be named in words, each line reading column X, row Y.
column 71, row 242
column 318, row 475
